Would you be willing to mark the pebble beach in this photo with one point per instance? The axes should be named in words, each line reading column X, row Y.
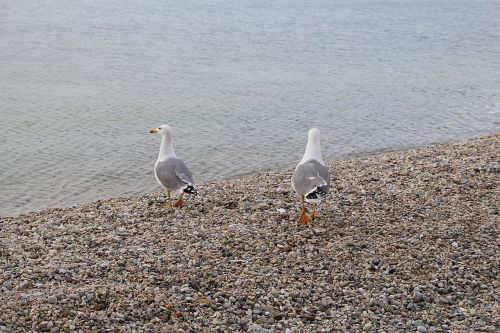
column 407, row 241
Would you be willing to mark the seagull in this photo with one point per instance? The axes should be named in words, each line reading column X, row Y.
column 311, row 178
column 170, row 171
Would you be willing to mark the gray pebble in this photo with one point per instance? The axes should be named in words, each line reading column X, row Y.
column 418, row 297
column 74, row 296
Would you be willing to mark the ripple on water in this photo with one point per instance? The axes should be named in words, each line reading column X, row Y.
column 240, row 84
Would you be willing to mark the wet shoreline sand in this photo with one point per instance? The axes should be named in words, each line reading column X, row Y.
column 407, row 241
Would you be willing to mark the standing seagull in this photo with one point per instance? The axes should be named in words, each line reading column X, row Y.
column 311, row 178
column 170, row 171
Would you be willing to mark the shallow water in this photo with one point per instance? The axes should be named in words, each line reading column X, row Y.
column 240, row 82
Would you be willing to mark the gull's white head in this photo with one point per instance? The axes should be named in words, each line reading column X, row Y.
column 313, row 147
column 166, row 146
column 164, row 130
column 313, row 134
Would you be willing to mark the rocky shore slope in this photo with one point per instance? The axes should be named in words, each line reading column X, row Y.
column 407, row 242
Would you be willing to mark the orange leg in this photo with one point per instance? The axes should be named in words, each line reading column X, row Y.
column 304, row 217
column 179, row 202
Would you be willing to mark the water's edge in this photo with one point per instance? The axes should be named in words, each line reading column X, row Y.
column 351, row 156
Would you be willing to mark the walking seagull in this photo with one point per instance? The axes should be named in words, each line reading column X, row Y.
column 311, row 179
column 170, row 171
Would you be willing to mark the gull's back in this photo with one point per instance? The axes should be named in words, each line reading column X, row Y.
column 310, row 176
column 173, row 173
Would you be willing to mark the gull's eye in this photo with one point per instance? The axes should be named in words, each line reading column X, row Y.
column 159, row 128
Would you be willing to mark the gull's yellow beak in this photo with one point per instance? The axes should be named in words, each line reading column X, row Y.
column 153, row 130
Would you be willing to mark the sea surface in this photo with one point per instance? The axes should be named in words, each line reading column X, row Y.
column 239, row 81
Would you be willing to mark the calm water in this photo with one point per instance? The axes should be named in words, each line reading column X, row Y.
column 239, row 81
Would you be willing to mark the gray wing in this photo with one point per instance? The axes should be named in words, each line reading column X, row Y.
column 310, row 176
column 182, row 171
column 173, row 174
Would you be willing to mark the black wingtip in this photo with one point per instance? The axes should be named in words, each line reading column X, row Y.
column 191, row 190
column 316, row 194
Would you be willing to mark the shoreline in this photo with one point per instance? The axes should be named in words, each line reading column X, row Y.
column 407, row 240
column 346, row 157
